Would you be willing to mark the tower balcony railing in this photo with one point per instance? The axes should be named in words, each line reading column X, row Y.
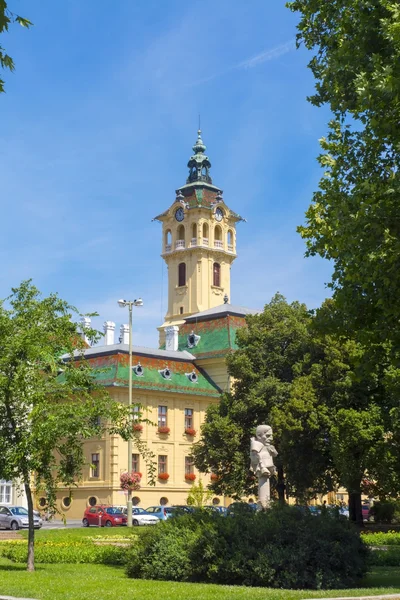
column 230, row 247
column 193, row 242
column 168, row 247
column 179, row 244
column 218, row 244
column 205, row 241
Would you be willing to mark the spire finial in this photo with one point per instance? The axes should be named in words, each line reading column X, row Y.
column 199, row 164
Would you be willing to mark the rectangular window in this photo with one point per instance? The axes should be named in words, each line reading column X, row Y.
column 162, row 416
column 162, row 464
column 136, row 413
column 188, row 418
column 135, row 463
column 189, row 469
column 95, row 468
column 5, row 492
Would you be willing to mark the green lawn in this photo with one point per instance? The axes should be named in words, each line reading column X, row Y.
column 81, row 533
column 94, row 582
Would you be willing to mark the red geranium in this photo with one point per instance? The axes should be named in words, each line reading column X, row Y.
column 214, row 477
column 163, row 429
column 163, row 476
column 190, row 431
column 190, row 476
column 137, row 427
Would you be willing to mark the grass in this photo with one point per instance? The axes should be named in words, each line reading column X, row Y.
column 91, row 582
column 81, row 533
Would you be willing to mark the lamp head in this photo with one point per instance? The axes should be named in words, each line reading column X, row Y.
column 122, row 303
column 138, row 302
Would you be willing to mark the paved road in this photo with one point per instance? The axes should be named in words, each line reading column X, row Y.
column 70, row 524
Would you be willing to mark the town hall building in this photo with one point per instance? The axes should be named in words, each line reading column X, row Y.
column 177, row 382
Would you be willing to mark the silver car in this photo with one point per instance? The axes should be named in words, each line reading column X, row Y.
column 16, row 517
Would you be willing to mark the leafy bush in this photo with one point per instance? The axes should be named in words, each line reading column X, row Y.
column 390, row 538
column 65, row 552
column 385, row 558
column 282, row 548
column 385, row 511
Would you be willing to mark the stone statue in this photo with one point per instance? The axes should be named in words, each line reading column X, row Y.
column 262, row 454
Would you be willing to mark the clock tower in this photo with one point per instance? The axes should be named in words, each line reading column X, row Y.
column 198, row 243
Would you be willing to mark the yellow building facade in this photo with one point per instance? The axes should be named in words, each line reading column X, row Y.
column 176, row 383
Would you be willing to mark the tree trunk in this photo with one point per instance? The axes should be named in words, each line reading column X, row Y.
column 31, row 532
column 355, row 510
column 280, row 486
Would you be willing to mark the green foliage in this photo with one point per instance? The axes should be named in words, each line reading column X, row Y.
column 353, row 219
column 385, row 558
column 6, row 18
column 199, row 495
column 387, row 511
column 379, row 538
column 282, row 548
column 65, row 552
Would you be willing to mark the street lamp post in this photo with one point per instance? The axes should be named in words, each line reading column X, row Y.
column 130, row 304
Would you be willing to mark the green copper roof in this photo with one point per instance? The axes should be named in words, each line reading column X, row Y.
column 113, row 370
column 217, row 336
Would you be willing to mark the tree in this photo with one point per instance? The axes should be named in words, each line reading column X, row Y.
column 6, row 18
column 353, row 219
column 49, row 400
column 199, row 495
column 271, row 370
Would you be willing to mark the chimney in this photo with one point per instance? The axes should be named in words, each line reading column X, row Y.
column 124, row 334
column 85, row 324
column 171, row 338
column 109, row 328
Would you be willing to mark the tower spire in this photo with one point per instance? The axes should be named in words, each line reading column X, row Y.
column 199, row 164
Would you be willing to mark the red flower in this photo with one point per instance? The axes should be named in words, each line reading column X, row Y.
column 137, row 427
column 214, row 477
column 190, row 476
column 190, row 431
column 163, row 429
column 163, row 476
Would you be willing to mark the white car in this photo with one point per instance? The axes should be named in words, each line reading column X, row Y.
column 16, row 517
column 142, row 517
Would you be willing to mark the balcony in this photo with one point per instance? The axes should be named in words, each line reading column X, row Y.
column 230, row 248
column 168, row 247
column 179, row 244
column 205, row 241
column 218, row 244
column 193, row 242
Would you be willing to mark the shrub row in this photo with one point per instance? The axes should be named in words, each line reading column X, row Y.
column 390, row 538
column 281, row 548
column 66, row 553
column 385, row 558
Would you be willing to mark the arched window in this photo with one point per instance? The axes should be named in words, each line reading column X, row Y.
column 218, row 237
column 180, row 237
column 205, row 234
column 168, row 240
column 181, row 274
column 217, row 274
column 194, row 235
column 230, row 237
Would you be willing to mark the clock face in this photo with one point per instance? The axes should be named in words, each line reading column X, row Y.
column 219, row 215
column 179, row 214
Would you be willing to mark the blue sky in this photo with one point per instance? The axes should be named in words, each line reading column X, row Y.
column 96, row 129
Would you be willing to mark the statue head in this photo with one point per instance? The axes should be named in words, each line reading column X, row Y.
column 264, row 434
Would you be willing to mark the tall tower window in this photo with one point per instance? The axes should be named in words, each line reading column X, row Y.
column 180, row 241
column 218, row 237
column 181, row 274
column 217, row 274
column 168, row 240
column 229, row 239
column 194, row 235
column 205, row 234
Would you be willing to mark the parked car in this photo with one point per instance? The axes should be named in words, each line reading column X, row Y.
column 218, row 510
column 237, row 508
column 16, row 517
column 365, row 508
column 184, row 508
column 103, row 516
column 162, row 512
column 142, row 517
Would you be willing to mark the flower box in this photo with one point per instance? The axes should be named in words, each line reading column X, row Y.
column 137, row 427
column 163, row 476
column 190, row 477
column 163, row 429
column 214, row 477
column 130, row 481
column 190, row 431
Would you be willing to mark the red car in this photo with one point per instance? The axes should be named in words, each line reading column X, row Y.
column 103, row 516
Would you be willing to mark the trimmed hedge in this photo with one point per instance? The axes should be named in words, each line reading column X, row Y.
column 379, row 538
column 65, row 552
column 281, row 548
